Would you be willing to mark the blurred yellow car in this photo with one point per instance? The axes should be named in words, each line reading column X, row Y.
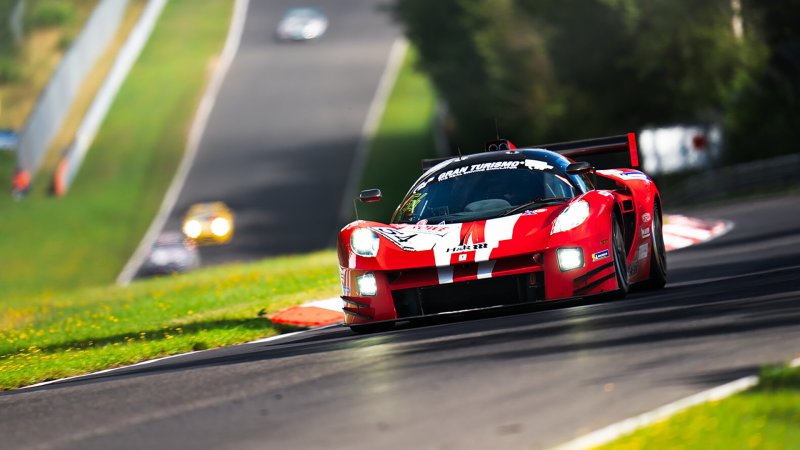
column 208, row 223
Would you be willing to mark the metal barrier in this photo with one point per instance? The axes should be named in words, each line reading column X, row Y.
column 73, row 157
column 742, row 179
column 55, row 102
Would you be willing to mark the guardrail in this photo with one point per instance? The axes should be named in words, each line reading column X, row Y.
column 73, row 156
column 742, row 179
column 55, row 102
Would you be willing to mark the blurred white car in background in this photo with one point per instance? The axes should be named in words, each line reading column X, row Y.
column 171, row 253
column 677, row 148
column 302, row 24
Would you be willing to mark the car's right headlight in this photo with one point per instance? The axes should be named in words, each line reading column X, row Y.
column 220, row 226
column 574, row 215
column 364, row 242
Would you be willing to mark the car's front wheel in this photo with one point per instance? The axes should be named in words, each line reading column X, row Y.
column 658, row 255
column 620, row 259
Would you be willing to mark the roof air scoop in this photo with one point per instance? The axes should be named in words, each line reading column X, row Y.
column 499, row 145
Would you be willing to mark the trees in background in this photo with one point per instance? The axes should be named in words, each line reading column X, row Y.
column 550, row 70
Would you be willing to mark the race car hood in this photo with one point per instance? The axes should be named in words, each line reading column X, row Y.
column 406, row 246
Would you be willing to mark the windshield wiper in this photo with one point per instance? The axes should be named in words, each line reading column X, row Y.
column 538, row 201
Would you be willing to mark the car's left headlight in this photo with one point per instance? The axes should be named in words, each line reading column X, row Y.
column 364, row 242
column 192, row 229
column 574, row 215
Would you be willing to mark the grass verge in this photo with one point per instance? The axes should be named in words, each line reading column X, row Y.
column 85, row 238
column 52, row 336
column 92, row 329
column 765, row 417
column 404, row 137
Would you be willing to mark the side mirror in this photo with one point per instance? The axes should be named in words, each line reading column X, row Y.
column 579, row 168
column 370, row 195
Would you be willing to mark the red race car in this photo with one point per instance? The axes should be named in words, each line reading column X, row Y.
column 504, row 227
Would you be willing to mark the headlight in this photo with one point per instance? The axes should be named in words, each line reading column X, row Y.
column 192, row 229
column 364, row 242
column 220, row 226
column 574, row 215
column 367, row 285
column 569, row 258
column 159, row 257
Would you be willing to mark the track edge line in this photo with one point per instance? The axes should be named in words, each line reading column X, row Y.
column 627, row 426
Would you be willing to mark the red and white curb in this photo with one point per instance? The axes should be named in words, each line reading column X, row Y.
column 313, row 314
column 682, row 231
column 679, row 232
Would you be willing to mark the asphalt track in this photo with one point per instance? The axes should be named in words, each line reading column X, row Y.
column 528, row 379
column 284, row 129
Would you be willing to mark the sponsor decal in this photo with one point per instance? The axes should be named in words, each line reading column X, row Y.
column 533, row 212
column 628, row 174
column 600, row 255
column 485, row 167
column 413, row 237
column 634, row 175
column 534, row 164
column 634, row 269
column 646, row 217
column 462, row 257
column 423, row 185
column 643, row 251
column 345, row 290
column 645, row 232
column 604, row 242
column 467, row 248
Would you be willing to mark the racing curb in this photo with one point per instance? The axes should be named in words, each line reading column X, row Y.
column 679, row 232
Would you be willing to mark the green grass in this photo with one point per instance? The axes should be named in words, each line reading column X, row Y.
column 403, row 139
column 84, row 239
column 765, row 417
column 54, row 336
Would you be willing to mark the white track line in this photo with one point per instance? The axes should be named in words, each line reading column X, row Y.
column 195, row 134
column 627, row 426
column 373, row 120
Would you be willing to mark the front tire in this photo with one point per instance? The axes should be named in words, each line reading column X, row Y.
column 658, row 255
column 620, row 260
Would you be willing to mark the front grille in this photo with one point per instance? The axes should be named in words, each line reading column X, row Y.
column 473, row 294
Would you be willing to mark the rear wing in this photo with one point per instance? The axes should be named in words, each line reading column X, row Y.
column 597, row 146
column 571, row 149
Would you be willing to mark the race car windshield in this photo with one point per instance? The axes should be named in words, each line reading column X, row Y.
column 484, row 191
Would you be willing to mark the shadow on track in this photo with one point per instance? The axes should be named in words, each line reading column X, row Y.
column 747, row 303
